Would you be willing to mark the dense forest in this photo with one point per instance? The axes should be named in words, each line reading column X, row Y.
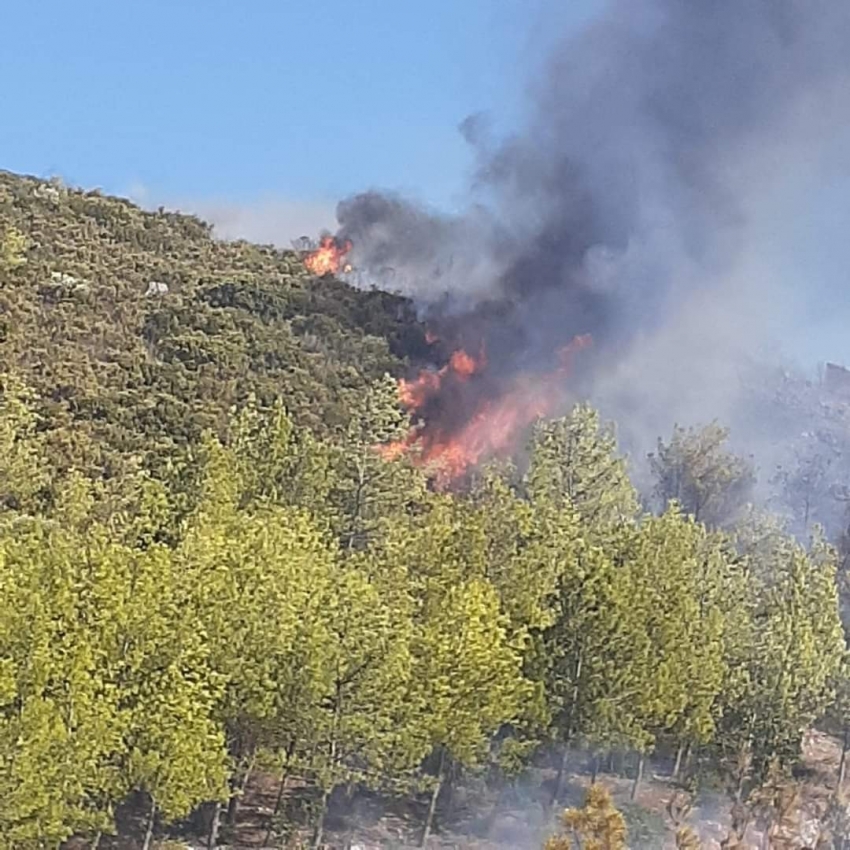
column 207, row 570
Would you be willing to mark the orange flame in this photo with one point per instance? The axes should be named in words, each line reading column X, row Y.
column 415, row 393
column 328, row 257
column 464, row 365
column 494, row 427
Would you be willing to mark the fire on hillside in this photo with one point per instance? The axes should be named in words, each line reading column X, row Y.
column 329, row 257
column 471, row 408
column 462, row 416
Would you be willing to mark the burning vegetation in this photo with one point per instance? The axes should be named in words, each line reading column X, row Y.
column 464, row 413
column 329, row 257
column 474, row 406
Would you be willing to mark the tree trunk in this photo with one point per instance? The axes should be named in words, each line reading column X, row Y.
column 678, row 764
column 96, row 842
column 569, row 732
column 449, row 793
column 281, row 790
column 594, row 769
column 432, row 806
column 842, row 765
column 212, row 839
column 149, row 832
column 622, row 764
column 319, row 832
column 560, row 778
column 638, row 777
column 239, row 792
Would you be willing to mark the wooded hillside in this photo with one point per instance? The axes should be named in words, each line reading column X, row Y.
column 208, row 571
column 140, row 329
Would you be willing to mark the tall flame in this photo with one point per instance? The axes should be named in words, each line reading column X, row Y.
column 328, row 257
column 495, row 424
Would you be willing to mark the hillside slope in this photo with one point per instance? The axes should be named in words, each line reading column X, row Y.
column 140, row 329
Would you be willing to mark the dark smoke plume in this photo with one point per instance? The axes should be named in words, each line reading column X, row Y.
column 628, row 206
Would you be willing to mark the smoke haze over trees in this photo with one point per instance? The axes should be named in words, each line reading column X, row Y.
column 641, row 202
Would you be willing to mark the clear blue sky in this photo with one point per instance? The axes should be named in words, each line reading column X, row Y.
column 306, row 101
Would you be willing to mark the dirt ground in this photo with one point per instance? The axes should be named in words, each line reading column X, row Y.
column 519, row 820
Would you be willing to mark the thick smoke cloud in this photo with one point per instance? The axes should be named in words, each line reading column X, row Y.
column 632, row 205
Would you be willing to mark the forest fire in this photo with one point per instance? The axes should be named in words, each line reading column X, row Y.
column 466, row 417
column 328, row 257
column 471, row 408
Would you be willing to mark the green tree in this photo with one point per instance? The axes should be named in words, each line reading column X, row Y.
column 788, row 650
column 362, row 718
column 696, row 470
column 468, row 678
column 467, row 656
column 13, row 246
column 574, row 460
column 23, row 470
column 279, row 463
column 592, row 655
column 667, row 565
column 838, row 715
column 260, row 580
column 368, row 488
column 521, row 547
column 107, row 688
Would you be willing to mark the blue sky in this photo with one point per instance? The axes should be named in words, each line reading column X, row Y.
column 219, row 101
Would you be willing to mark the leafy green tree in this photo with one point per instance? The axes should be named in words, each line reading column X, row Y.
column 368, row 488
column 363, row 717
column 467, row 675
column 61, row 722
column 13, row 246
column 259, row 579
column 838, row 715
column 279, row 463
column 574, row 460
column 107, row 687
column 592, row 656
column 696, row 470
column 175, row 744
column 681, row 675
column 23, row 470
column 467, row 656
column 520, row 547
column 788, row 650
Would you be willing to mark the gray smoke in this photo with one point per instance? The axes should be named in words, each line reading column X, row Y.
column 637, row 205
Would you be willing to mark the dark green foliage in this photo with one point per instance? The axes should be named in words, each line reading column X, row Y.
column 125, row 368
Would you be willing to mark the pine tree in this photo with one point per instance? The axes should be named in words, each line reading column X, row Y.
column 597, row 825
column 574, row 461
column 697, row 471
column 363, row 717
column 788, row 649
column 666, row 562
column 260, row 580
